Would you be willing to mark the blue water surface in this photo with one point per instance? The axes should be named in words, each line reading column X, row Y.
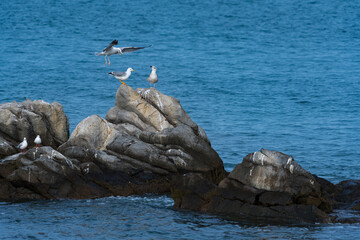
column 276, row 74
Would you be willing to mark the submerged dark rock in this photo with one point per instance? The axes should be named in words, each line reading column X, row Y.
column 266, row 184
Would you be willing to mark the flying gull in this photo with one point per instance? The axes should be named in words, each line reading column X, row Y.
column 110, row 50
column 122, row 76
column 23, row 145
column 153, row 78
column 37, row 141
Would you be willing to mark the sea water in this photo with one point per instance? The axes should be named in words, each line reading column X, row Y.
column 277, row 74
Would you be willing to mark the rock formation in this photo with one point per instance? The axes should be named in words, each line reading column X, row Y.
column 44, row 173
column 28, row 119
column 145, row 142
column 148, row 144
column 348, row 194
column 147, row 139
column 267, row 184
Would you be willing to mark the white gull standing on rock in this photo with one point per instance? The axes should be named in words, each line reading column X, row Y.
column 153, row 78
column 122, row 76
column 37, row 141
column 110, row 50
column 23, row 145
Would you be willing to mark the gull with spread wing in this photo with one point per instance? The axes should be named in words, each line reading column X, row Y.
column 110, row 50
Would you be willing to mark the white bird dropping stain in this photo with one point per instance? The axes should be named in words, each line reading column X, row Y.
column 251, row 170
column 289, row 161
column 52, row 154
column 34, row 153
column 69, row 163
column 262, row 159
column 312, row 182
column 253, row 157
column 159, row 103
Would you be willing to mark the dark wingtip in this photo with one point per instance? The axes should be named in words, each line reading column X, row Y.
column 110, row 73
column 114, row 42
column 151, row 66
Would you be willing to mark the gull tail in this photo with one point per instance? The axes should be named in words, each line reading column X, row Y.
column 99, row 53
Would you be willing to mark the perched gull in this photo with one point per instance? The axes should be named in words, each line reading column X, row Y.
column 23, row 145
column 153, row 78
column 37, row 141
column 110, row 50
column 122, row 76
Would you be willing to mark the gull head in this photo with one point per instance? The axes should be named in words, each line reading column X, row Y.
column 153, row 67
column 130, row 69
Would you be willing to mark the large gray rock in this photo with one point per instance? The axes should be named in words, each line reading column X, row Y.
column 6, row 148
column 267, row 184
column 44, row 173
column 274, row 171
column 146, row 136
column 31, row 118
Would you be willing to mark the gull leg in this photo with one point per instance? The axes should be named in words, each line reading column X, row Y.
column 109, row 60
column 122, row 82
column 105, row 60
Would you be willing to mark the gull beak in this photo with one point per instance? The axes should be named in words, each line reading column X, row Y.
column 133, row 70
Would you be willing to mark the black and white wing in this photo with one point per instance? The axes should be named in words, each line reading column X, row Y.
column 113, row 43
column 132, row 49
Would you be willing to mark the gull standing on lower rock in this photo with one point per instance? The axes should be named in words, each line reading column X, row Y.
column 110, row 50
column 37, row 141
column 122, row 76
column 23, row 145
column 153, row 78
